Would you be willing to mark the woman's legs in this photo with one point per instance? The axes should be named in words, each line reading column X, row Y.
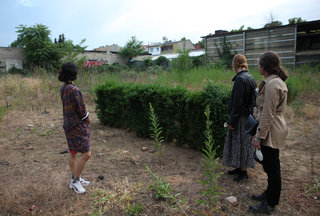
column 72, row 162
column 271, row 165
column 81, row 164
column 77, row 167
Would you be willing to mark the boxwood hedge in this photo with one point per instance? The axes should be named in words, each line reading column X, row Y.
column 180, row 111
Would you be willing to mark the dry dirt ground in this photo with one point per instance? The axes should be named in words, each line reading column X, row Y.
column 33, row 173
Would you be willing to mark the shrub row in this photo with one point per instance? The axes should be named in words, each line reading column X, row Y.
column 180, row 112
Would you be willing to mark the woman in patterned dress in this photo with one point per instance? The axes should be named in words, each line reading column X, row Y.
column 238, row 150
column 75, row 124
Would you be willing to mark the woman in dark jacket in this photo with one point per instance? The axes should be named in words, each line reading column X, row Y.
column 238, row 150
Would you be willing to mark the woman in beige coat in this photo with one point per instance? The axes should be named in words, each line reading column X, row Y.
column 272, row 130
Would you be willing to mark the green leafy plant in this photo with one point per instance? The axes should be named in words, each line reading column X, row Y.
column 163, row 191
column 312, row 188
column 156, row 131
column 210, row 165
column 225, row 53
column 182, row 64
column 101, row 197
column 135, row 210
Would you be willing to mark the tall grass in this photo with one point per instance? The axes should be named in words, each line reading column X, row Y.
column 42, row 89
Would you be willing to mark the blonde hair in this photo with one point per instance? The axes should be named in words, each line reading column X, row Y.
column 239, row 61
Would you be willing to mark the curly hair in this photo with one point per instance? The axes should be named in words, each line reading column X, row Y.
column 239, row 61
column 270, row 62
column 68, row 72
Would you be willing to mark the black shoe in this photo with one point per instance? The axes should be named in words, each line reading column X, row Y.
column 235, row 171
column 241, row 176
column 259, row 197
column 263, row 207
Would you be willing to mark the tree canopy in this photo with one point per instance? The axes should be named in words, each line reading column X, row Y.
column 40, row 51
column 296, row 20
column 132, row 49
column 38, row 47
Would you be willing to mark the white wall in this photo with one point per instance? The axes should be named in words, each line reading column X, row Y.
column 155, row 50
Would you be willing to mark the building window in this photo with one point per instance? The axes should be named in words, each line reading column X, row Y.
column 157, row 49
column 151, row 49
column 167, row 48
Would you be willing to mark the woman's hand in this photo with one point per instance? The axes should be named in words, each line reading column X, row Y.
column 256, row 143
column 230, row 127
column 88, row 120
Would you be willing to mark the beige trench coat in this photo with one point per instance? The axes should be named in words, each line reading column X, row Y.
column 271, row 102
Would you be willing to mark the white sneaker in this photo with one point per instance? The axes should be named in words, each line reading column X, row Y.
column 77, row 187
column 84, row 182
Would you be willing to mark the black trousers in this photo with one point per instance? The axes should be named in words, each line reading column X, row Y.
column 271, row 165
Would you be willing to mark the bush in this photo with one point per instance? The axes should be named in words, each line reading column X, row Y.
column 183, row 62
column 163, row 62
column 180, row 111
column 15, row 70
column 148, row 62
column 199, row 61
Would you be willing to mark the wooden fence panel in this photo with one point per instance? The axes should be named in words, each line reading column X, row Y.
column 254, row 43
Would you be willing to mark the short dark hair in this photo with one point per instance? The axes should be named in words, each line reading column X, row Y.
column 68, row 72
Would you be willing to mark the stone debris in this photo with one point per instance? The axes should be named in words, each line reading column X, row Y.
column 233, row 200
column 144, row 148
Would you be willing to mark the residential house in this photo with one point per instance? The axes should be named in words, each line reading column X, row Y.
column 169, row 49
column 154, row 49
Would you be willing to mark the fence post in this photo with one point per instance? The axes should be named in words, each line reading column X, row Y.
column 295, row 48
column 267, row 39
column 244, row 43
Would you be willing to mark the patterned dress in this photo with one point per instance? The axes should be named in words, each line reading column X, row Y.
column 74, row 115
column 238, row 150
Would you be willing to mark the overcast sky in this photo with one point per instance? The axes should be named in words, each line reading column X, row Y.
column 107, row 22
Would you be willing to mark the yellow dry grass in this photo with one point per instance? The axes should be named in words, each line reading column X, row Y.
column 28, row 92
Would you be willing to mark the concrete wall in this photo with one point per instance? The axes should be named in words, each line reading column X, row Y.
column 10, row 56
column 106, row 56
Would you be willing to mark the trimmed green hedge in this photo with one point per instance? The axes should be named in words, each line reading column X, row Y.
column 180, row 112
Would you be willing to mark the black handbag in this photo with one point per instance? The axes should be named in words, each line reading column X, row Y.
column 251, row 126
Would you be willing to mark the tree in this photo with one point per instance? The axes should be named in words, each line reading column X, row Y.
column 201, row 42
column 225, row 54
column 241, row 29
column 296, row 20
column 38, row 47
column 72, row 51
column 165, row 39
column 132, row 49
column 40, row 51
column 271, row 22
column 238, row 30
